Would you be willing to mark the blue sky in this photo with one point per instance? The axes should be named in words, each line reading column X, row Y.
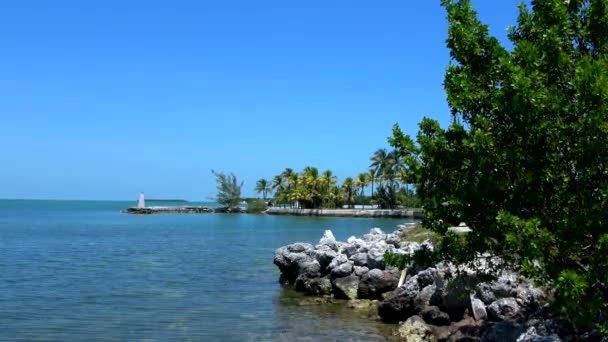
column 103, row 99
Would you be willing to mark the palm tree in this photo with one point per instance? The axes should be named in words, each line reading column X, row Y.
column 292, row 185
column 263, row 186
column 278, row 185
column 328, row 181
column 312, row 181
column 361, row 182
column 348, row 189
column 371, row 173
column 379, row 164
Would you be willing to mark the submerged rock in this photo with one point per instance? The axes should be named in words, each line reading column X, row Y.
column 414, row 329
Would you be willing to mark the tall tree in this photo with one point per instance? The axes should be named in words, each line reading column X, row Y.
column 263, row 186
column 524, row 162
column 349, row 189
column 361, row 181
column 228, row 189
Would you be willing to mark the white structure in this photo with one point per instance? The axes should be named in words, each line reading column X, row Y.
column 141, row 203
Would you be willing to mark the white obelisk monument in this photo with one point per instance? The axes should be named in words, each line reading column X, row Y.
column 141, row 203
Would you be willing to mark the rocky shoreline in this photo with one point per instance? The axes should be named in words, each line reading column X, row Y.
column 438, row 303
column 374, row 213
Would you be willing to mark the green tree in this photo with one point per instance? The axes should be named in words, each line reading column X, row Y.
column 228, row 189
column 361, row 182
column 524, row 162
column 263, row 186
column 349, row 190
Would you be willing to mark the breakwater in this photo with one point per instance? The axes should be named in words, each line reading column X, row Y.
column 376, row 213
column 181, row 210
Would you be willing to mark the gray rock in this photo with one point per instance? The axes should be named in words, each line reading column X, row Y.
column 291, row 264
column 393, row 239
column 376, row 282
column 348, row 249
column 453, row 296
column 531, row 296
column 375, row 234
column 479, row 309
column 375, row 259
column 313, row 286
column 299, row 247
column 328, row 238
column 432, row 315
column 399, row 304
column 337, row 261
column 502, row 332
column 531, row 335
column 503, row 309
column 415, row 330
column 360, row 270
column 346, row 287
column 424, row 298
column 427, row 277
column 342, row 270
column 503, row 287
column 324, row 255
column 359, row 259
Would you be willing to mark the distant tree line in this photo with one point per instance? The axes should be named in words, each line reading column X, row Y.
column 387, row 177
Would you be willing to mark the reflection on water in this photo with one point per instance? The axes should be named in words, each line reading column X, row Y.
column 80, row 271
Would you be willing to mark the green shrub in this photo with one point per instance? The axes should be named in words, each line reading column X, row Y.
column 256, row 206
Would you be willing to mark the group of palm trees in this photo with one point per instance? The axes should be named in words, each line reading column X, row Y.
column 313, row 189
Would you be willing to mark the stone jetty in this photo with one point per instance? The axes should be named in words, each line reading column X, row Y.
column 181, row 210
column 377, row 213
column 438, row 302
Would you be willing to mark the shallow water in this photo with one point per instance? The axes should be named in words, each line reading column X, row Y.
column 78, row 270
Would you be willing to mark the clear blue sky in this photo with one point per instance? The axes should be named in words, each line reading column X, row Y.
column 103, row 99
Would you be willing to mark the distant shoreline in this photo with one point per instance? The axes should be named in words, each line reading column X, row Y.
column 373, row 213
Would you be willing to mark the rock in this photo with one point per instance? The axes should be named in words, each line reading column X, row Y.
column 375, row 259
column 313, row 286
column 399, row 304
column 453, row 297
column 348, row 249
column 328, row 238
column 427, row 277
column 393, row 239
column 410, row 247
column 424, row 298
column 346, row 287
column 415, row 330
column 530, row 296
column 342, row 270
column 299, row 247
column 375, row 234
column 503, row 287
column 531, row 335
column 376, row 282
column 359, row 259
column 479, row 309
column 360, row 244
column 324, row 255
column 502, row 332
column 466, row 329
column 360, row 270
column 291, row 264
column 432, row 315
column 503, row 309
column 362, row 304
column 337, row 261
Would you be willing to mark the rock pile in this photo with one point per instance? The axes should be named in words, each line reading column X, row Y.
column 434, row 303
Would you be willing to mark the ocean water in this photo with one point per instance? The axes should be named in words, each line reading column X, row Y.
column 81, row 270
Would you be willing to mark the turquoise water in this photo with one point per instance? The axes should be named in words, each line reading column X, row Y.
column 81, row 270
